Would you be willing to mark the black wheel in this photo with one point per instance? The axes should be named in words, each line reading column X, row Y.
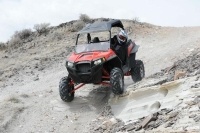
column 65, row 88
column 117, row 81
column 138, row 72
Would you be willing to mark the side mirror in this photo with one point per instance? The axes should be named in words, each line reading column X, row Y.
column 88, row 38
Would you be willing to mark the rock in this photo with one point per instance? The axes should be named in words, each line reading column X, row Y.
column 1, row 72
column 157, row 124
column 192, row 115
column 197, row 72
column 150, row 125
column 113, row 121
column 197, row 100
column 196, row 85
column 139, row 127
column 103, row 127
column 148, row 119
column 36, row 78
column 75, row 118
column 179, row 74
column 169, row 124
column 173, row 114
column 170, row 77
column 169, row 68
column 129, row 127
column 109, row 123
column 194, row 108
column 198, row 77
column 165, row 111
column 193, row 129
column 40, row 95
column 190, row 103
column 165, row 119
column 101, row 118
column 5, row 56
column 197, row 118
column 41, row 68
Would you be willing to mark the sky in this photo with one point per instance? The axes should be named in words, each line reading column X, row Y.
column 16, row 15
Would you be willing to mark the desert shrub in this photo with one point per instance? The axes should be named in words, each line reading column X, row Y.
column 57, row 35
column 23, row 34
column 18, row 37
column 85, row 18
column 77, row 26
column 136, row 20
column 14, row 41
column 41, row 28
column 2, row 45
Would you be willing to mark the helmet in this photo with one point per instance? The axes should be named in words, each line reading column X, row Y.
column 122, row 37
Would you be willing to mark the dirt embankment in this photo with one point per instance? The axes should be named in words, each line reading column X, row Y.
column 29, row 77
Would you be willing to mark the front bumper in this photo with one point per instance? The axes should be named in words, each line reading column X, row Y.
column 86, row 73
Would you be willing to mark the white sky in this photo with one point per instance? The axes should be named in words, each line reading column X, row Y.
column 20, row 14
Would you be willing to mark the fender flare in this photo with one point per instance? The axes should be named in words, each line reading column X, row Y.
column 135, row 49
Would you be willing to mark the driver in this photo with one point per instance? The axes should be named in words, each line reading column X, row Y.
column 119, row 46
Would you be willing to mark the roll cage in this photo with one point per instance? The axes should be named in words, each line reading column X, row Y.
column 99, row 27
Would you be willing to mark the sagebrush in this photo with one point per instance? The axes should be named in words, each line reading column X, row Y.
column 77, row 26
column 2, row 45
column 19, row 36
column 57, row 35
column 136, row 20
column 84, row 17
column 41, row 28
column 23, row 34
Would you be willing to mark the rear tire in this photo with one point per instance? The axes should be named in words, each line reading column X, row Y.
column 117, row 81
column 138, row 72
column 65, row 89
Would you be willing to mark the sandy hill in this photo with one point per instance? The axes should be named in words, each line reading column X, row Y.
column 30, row 72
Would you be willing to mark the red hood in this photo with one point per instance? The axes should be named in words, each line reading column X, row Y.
column 90, row 56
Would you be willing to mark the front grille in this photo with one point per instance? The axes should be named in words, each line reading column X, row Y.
column 85, row 78
column 85, row 67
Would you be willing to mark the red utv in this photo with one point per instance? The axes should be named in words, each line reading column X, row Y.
column 94, row 60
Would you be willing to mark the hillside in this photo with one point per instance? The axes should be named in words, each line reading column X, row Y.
column 30, row 73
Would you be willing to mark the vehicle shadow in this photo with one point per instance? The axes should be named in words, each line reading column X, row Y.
column 90, row 100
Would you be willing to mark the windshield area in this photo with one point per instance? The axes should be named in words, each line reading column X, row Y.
column 97, row 41
column 101, row 46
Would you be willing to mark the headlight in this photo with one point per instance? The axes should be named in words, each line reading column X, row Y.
column 99, row 61
column 70, row 64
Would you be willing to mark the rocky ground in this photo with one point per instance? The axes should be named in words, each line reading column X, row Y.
column 167, row 100
column 168, row 105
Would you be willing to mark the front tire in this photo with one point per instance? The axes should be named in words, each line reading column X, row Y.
column 117, row 81
column 138, row 72
column 65, row 88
